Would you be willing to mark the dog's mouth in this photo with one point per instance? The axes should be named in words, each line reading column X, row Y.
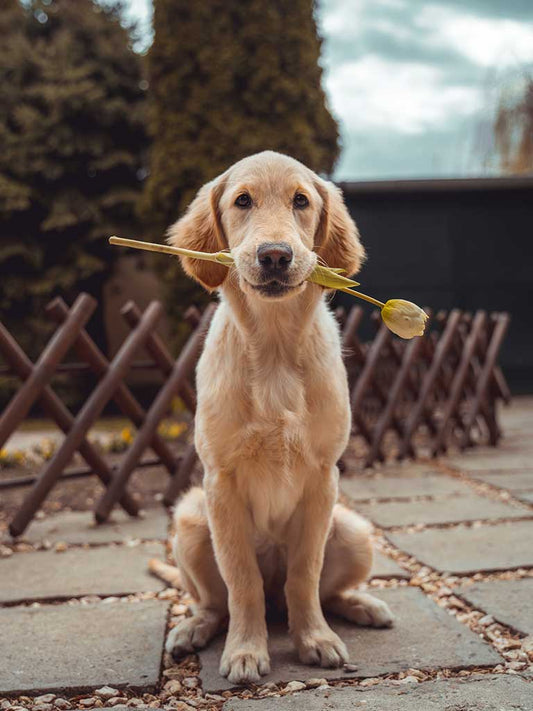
column 274, row 287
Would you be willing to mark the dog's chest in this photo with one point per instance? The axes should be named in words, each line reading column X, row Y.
column 272, row 495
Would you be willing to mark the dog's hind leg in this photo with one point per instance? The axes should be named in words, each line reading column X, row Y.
column 194, row 555
column 347, row 563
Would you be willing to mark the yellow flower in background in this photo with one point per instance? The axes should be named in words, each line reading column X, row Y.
column 172, row 430
column 126, row 435
column 404, row 318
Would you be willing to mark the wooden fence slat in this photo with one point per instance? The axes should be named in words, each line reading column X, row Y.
column 180, row 372
column 87, row 350
column 458, row 382
column 157, row 349
column 429, row 380
column 44, row 368
column 483, row 383
column 52, row 405
column 410, row 354
column 86, row 417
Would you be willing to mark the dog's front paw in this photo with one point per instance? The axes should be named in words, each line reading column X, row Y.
column 244, row 665
column 323, row 648
column 191, row 634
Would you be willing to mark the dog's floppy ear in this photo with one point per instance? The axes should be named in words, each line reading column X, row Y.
column 337, row 238
column 201, row 229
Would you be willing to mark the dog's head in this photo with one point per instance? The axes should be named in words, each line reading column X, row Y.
column 277, row 217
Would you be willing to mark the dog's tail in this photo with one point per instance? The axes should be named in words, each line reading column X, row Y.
column 168, row 573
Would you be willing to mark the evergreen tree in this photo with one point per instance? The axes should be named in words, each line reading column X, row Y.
column 228, row 79
column 72, row 137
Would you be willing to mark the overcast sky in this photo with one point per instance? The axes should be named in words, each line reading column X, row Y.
column 414, row 84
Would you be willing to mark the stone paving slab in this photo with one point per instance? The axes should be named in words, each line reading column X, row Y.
column 70, row 648
column 424, row 637
column 80, row 527
column 479, row 693
column 508, row 601
column 452, row 509
column 385, row 567
column 519, row 481
column 47, row 575
column 391, row 487
column 464, row 550
column 500, row 458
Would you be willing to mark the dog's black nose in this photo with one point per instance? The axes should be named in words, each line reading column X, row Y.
column 274, row 256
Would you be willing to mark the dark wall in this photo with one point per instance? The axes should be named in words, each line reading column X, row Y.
column 454, row 246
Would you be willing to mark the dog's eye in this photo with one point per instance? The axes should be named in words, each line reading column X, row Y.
column 300, row 201
column 243, row 200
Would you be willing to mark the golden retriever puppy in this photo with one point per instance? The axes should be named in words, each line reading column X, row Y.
column 273, row 418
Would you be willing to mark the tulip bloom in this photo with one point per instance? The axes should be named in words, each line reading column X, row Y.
column 404, row 318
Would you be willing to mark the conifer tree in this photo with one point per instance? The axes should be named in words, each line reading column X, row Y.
column 227, row 79
column 72, row 137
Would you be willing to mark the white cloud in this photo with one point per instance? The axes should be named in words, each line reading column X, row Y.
column 406, row 97
column 488, row 42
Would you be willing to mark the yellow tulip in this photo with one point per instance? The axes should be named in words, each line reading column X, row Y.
column 404, row 318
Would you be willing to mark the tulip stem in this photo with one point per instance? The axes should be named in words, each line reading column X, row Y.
column 162, row 248
column 365, row 297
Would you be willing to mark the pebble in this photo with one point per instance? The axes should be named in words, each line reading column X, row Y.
column 45, row 699
column 409, row 680
column 190, row 682
column 313, row 683
column 176, row 705
column 178, row 609
column 350, row 667
column 173, row 686
column 486, row 620
column 62, row 704
column 115, row 701
column 370, row 682
column 106, row 692
column 294, row 686
column 87, row 703
column 5, row 704
column 167, row 594
column 42, row 707
column 527, row 646
column 215, row 697
column 270, row 686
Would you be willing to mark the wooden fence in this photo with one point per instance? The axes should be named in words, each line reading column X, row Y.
column 445, row 384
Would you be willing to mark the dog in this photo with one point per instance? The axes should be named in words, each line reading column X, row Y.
column 273, row 418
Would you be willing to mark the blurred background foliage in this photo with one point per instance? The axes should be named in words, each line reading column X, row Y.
column 72, row 131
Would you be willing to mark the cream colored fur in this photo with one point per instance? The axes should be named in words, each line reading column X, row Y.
column 273, row 419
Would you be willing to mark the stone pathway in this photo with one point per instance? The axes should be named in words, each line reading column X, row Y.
column 82, row 624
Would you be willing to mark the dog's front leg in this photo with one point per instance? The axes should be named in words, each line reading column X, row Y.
column 314, row 639
column 245, row 657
